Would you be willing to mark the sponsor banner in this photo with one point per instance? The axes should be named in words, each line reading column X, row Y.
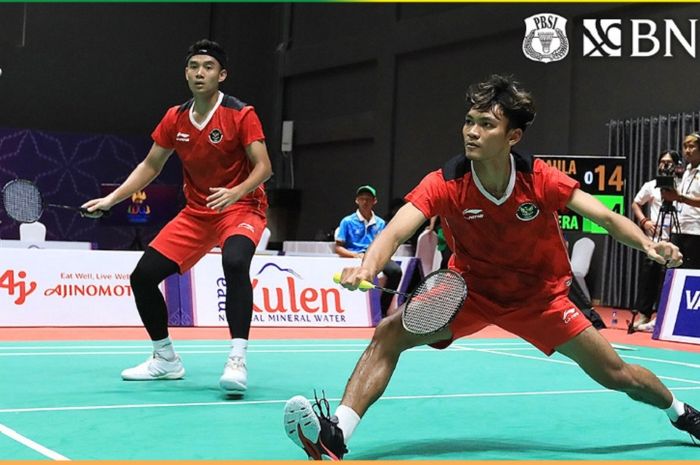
column 67, row 288
column 546, row 41
column 290, row 291
column 678, row 318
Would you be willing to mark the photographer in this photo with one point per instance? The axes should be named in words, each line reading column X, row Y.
column 651, row 274
column 687, row 201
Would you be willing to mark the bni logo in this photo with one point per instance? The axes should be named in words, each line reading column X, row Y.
column 643, row 38
column 545, row 38
column 602, row 37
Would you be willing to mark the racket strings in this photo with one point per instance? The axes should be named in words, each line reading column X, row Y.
column 435, row 302
column 22, row 201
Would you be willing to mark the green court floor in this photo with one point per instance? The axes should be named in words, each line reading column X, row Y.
column 482, row 399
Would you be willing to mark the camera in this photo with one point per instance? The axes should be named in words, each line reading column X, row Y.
column 665, row 182
column 666, row 177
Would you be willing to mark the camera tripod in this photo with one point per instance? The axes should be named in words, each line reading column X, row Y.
column 666, row 221
column 668, row 215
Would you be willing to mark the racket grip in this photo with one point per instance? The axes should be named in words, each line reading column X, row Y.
column 364, row 285
column 94, row 215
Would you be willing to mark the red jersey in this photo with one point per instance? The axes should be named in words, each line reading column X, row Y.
column 509, row 250
column 213, row 153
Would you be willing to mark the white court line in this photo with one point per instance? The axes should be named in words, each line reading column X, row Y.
column 490, row 348
column 145, row 351
column 566, row 362
column 12, row 434
column 685, row 364
column 635, row 357
column 324, row 348
column 253, row 345
column 282, row 401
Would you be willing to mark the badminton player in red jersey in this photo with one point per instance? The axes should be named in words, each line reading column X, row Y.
column 498, row 209
column 221, row 144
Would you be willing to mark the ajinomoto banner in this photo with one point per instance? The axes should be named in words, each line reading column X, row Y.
column 45, row 287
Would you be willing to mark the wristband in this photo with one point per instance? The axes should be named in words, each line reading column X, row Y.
column 643, row 221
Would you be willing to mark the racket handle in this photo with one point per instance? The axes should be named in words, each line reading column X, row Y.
column 94, row 215
column 364, row 285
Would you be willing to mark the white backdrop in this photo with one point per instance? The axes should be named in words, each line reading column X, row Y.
column 45, row 287
column 42, row 287
column 287, row 291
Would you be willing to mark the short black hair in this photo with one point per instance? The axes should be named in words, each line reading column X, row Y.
column 504, row 92
column 207, row 47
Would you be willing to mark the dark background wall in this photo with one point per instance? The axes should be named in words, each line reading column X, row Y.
column 375, row 91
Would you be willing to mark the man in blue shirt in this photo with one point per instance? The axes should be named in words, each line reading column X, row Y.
column 357, row 231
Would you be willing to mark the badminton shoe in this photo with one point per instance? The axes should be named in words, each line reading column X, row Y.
column 155, row 368
column 313, row 429
column 689, row 422
column 641, row 320
column 235, row 377
column 647, row 327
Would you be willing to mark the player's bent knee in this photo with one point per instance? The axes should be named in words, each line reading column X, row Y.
column 141, row 278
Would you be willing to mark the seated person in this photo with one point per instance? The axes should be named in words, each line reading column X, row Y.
column 357, row 231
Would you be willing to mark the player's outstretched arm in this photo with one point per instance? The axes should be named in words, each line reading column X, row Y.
column 623, row 229
column 143, row 174
column 406, row 221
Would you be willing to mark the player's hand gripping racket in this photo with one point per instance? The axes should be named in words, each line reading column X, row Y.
column 432, row 305
column 23, row 202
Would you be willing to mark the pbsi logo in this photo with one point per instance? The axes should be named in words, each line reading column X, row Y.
column 15, row 284
column 545, row 38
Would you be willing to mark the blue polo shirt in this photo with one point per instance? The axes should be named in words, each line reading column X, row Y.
column 356, row 233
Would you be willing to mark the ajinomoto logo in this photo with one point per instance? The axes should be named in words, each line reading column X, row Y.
column 545, row 38
column 15, row 284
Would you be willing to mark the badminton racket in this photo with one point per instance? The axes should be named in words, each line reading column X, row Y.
column 24, row 203
column 432, row 305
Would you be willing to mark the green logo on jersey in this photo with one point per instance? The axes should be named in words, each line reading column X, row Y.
column 527, row 211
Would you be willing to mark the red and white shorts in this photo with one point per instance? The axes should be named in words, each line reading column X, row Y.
column 190, row 235
column 545, row 327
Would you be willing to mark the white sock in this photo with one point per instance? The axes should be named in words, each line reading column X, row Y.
column 347, row 421
column 164, row 349
column 676, row 409
column 239, row 346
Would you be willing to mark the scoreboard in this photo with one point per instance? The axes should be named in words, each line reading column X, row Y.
column 602, row 177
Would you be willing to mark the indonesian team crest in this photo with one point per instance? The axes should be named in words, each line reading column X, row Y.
column 215, row 136
column 545, row 38
column 527, row 211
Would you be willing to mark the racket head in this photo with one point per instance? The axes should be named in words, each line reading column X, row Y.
column 22, row 201
column 434, row 303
